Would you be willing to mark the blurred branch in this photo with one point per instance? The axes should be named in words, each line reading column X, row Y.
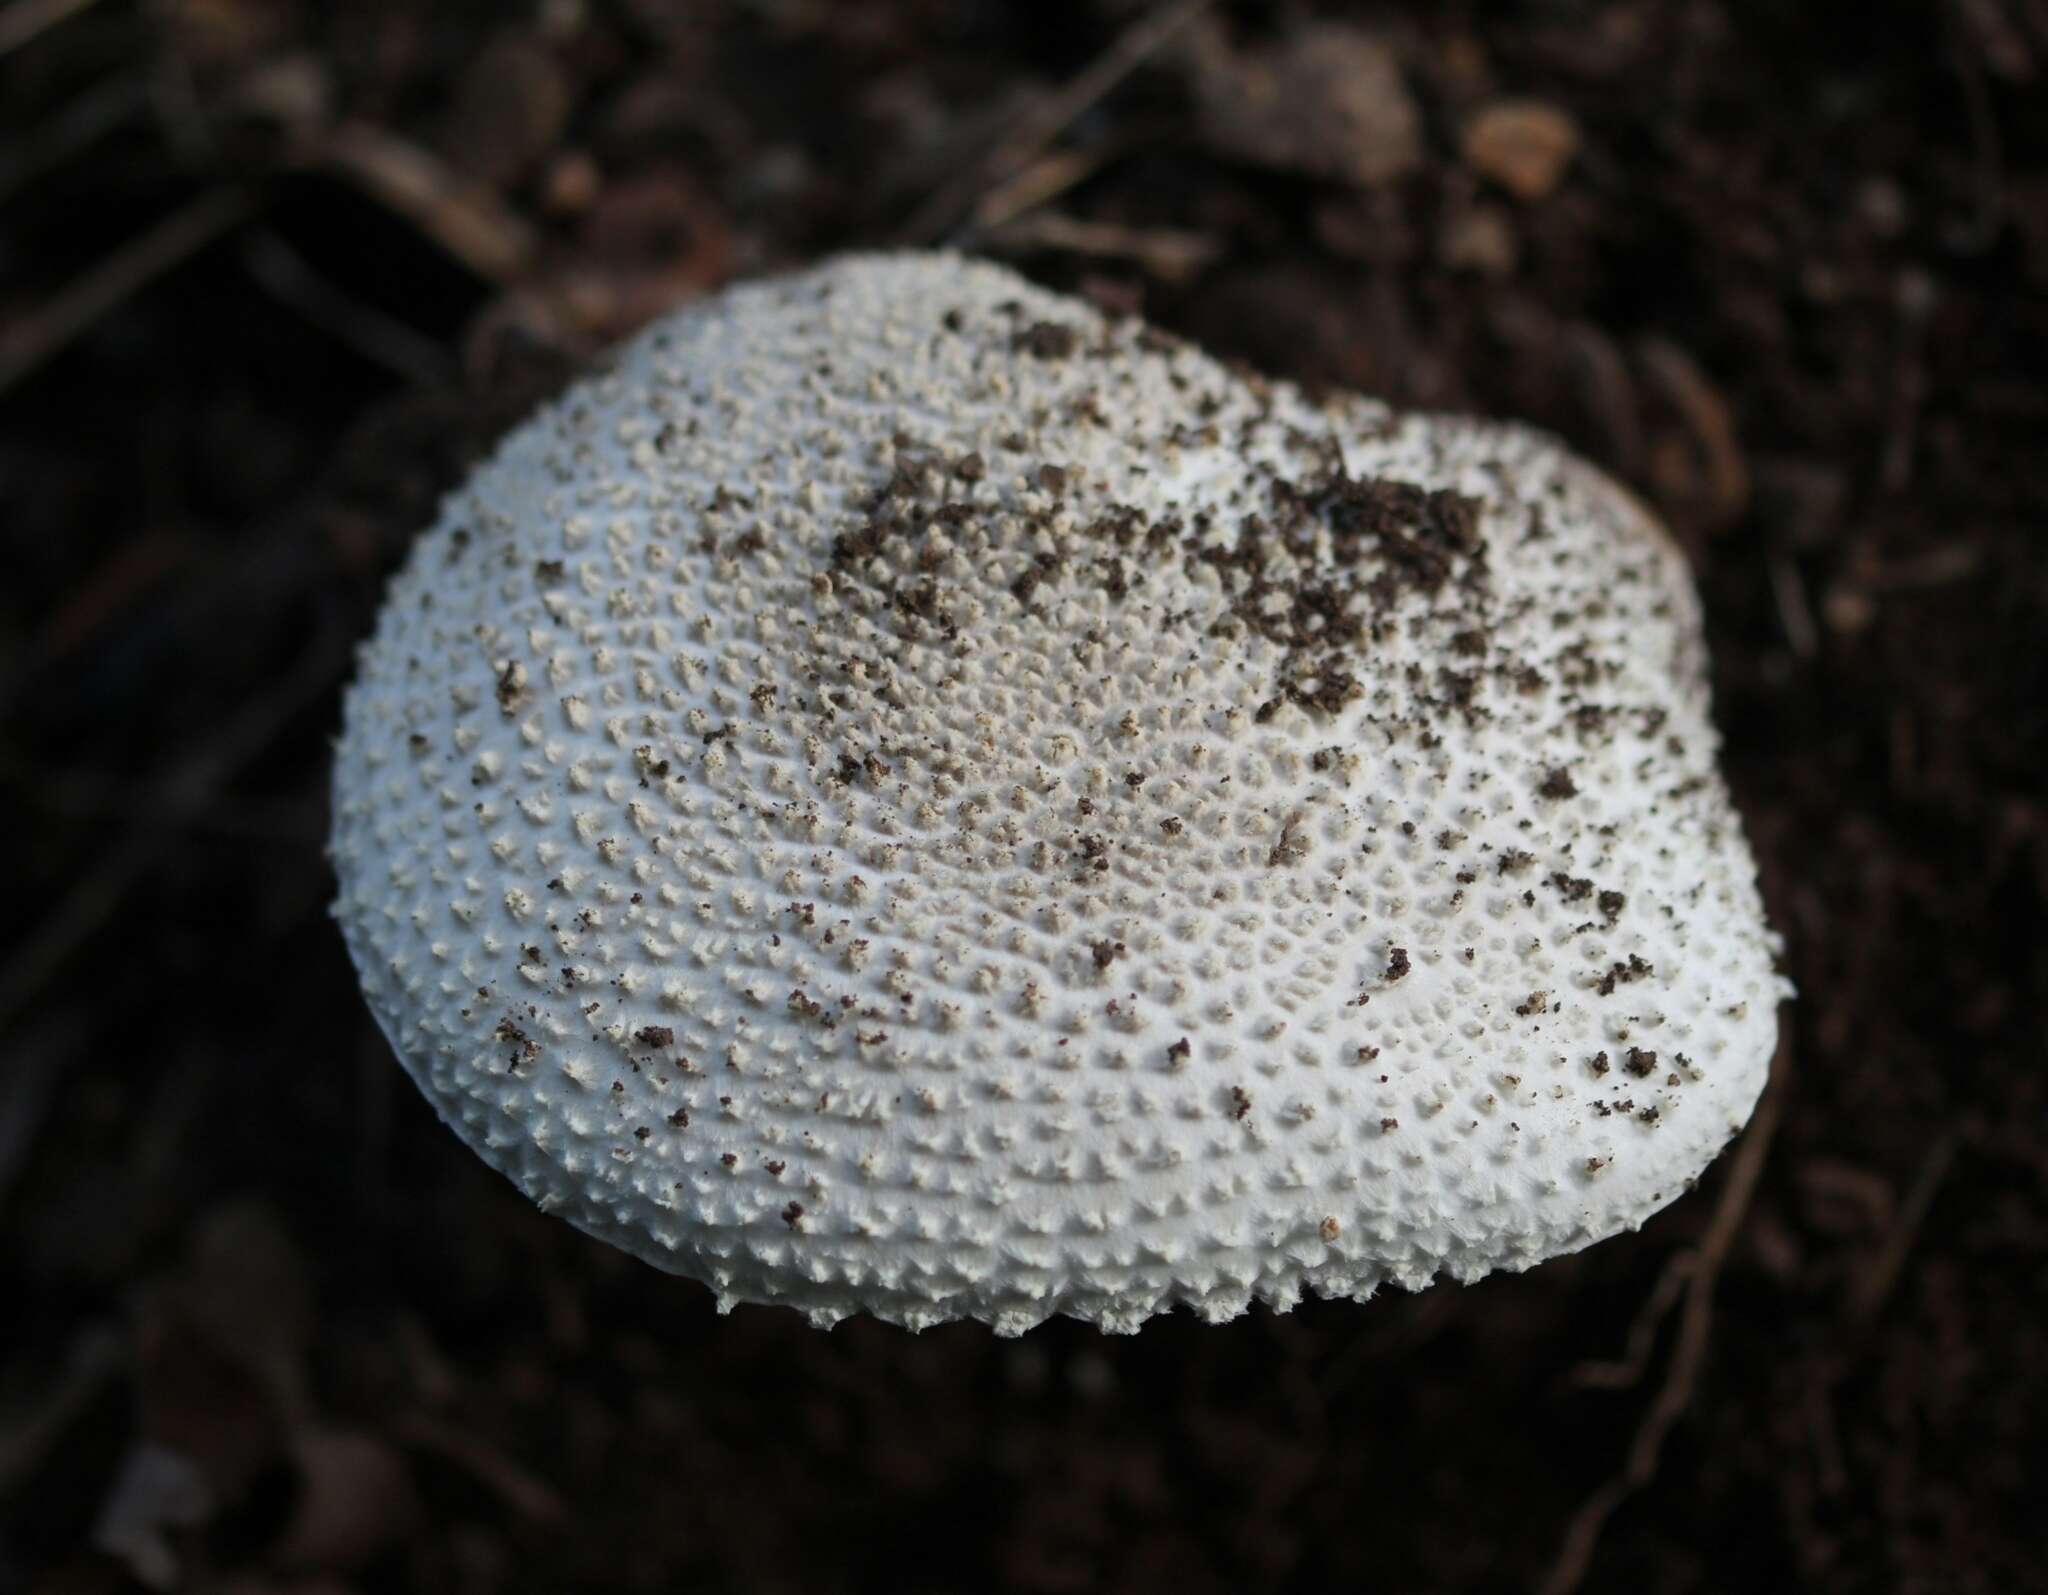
column 27, row 19
column 468, row 222
column 1044, row 121
column 522, row 1490
column 99, row 891
column 93, row 1361
column 49, row 328
column 1171, row 254
column 1043, row 181
column 383, row 340
column 1688, row 1356
column 1626, row 1372
column 86, row 119
column 1877, row 1280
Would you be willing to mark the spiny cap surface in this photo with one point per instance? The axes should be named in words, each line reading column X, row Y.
column 903, row 795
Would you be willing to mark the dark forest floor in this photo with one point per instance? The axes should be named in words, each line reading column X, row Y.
column 271, row 273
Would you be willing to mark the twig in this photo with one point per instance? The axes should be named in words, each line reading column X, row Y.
column 1626, row 1372
column 33, row 1065
column 89, row 117
column 1708, row 420
column 1902, row 743
column 519, row 1489
column 26, row 19
column 1915, row 295
column 72, row 792
column 1044, row 121
column 1610, row 394
column 1044, row 180
column 33, row 1062
column 1989, row 151
column 1168, row 253
column 1952, row 562
column 92, row 901
column 1681, row 1378
column 466, row 221
column 381, row 339
column 129, row 269
column 1821, row 1429
column 1876, row 1281
column 93, row 1360
column 1794, row 613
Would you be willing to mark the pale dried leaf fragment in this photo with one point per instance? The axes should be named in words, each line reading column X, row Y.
column 1328, row 101
column 1523, row 145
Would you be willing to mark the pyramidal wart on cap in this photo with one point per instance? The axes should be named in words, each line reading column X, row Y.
column 902, row 795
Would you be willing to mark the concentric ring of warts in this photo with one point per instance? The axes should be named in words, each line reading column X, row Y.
column 903, row 795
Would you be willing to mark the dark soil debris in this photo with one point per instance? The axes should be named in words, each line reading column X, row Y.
column 275, row 275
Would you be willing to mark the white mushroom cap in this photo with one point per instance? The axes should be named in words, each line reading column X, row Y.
column 901, row 795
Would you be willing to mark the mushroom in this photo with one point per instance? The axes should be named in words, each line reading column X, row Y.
column 903, row 795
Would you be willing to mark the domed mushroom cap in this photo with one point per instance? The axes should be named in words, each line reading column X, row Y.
column 901, row 795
